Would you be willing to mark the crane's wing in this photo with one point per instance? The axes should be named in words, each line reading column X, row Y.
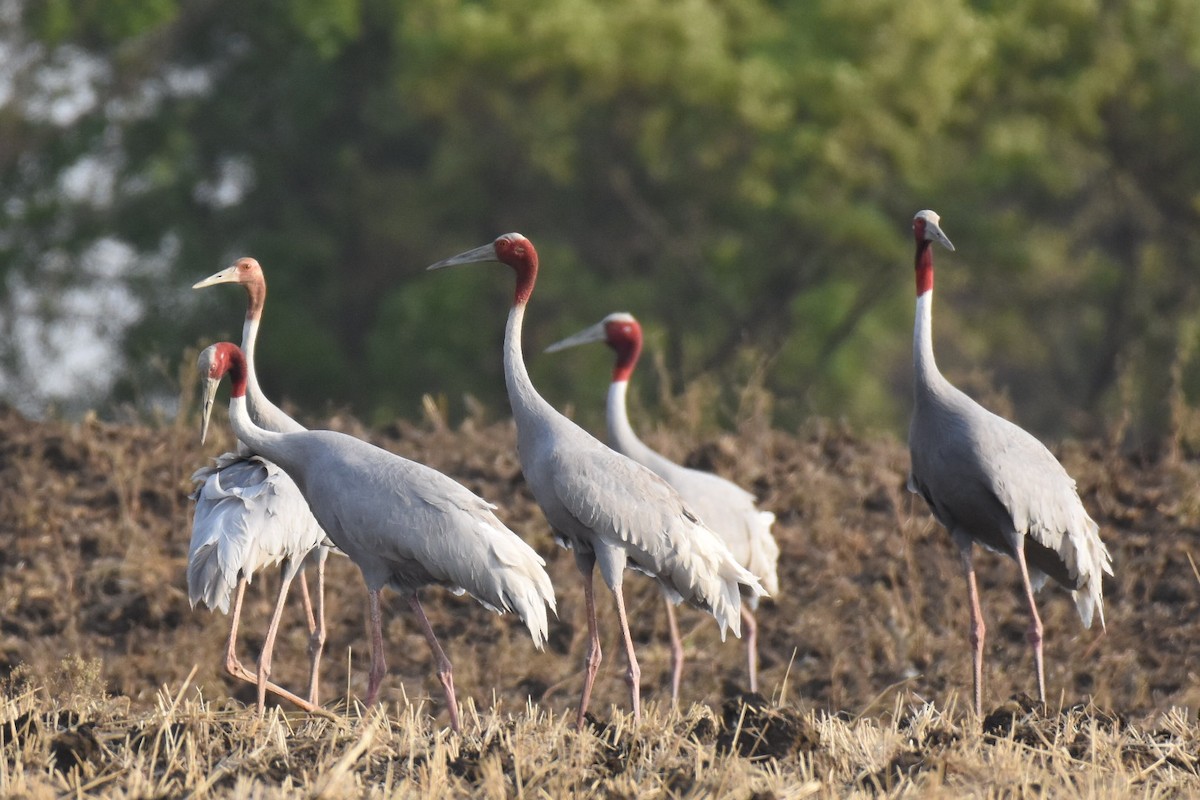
column 409, row 525
column 249, row 514
column 1044, row 504
column 989, row 479
column 730, row 511
column 624, row 505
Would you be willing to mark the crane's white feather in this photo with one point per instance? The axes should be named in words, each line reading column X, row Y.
column 249, row 515
column 726, row 509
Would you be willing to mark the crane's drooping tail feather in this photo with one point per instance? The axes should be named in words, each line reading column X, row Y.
column 207, row 582
column 509, row 576
column 530, row 605
column 249, row 515
column 764, row 557
column 221, row 540
column 1086, row 560
column 1092, row 562
column 710, row 578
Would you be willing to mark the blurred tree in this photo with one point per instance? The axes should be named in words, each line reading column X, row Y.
column 740, row 176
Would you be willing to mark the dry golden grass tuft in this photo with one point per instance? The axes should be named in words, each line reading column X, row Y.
column 112, row 684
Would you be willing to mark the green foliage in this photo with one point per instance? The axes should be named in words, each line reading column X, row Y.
column 740, row 176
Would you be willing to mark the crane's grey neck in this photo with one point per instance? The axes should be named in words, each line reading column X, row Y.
column 523, row 398
column 260, row 441
column 262, row 410
column 925, row 371
column 620, row 433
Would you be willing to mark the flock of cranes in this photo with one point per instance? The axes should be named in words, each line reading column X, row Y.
column 294, row 496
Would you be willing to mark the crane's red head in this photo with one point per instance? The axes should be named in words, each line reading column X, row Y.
column 512, row 249
column 248, row 272
column 926, row 229
column 621, row 332
column 624, row 335
column 213, row 364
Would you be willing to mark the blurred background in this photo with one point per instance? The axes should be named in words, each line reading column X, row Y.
column 740, row 176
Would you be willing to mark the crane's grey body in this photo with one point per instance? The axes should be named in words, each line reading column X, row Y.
column 249, row 515
column 403, row 524
column 990, row 482
column 726, row 508
column 606, row 507
column 602, row 502
column 407, row 525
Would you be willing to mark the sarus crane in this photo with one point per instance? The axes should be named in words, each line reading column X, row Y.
column 249, row 515
column 725, row 507
column 609, row 510
column 405, row 525
column 992, row 483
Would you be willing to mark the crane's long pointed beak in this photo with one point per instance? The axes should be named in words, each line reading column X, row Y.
column 209, row 394
column 596, row 333
column 486, row 252
column 227, row 275
column 933, row 230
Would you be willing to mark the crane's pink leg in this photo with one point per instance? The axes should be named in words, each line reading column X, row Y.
column 306, row 602
column 316, row 639
column 750, row 627
column 633, row 675
column 445, row 668
column 586, row 562
column 232, row 665
column 978, row 629
column 378, row 667
column 676, row 652
column 264, row 660
column 1034, row 634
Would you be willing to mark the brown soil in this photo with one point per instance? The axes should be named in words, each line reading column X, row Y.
column 95, row 523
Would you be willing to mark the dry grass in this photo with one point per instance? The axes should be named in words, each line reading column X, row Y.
column 112, row 683
column 186, row 746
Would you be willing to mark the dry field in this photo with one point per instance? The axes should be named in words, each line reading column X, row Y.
column 112, row 684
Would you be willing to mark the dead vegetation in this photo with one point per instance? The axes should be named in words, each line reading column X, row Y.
column 113, row 684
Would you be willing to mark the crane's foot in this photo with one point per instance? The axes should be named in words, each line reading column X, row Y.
column 591, row 666
column 234, row 668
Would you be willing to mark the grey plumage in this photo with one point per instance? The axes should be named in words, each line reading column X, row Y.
column 723, row 506
column 988, row 479
column 249, row 515
column 611, row 511
column 990, row 482
column 408, row 526
column 403, row 524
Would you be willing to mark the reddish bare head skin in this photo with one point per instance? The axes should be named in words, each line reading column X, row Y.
column 227, row 358
column 518, row 252
column 924, row 258
column 250, row 275
column 624, row 336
